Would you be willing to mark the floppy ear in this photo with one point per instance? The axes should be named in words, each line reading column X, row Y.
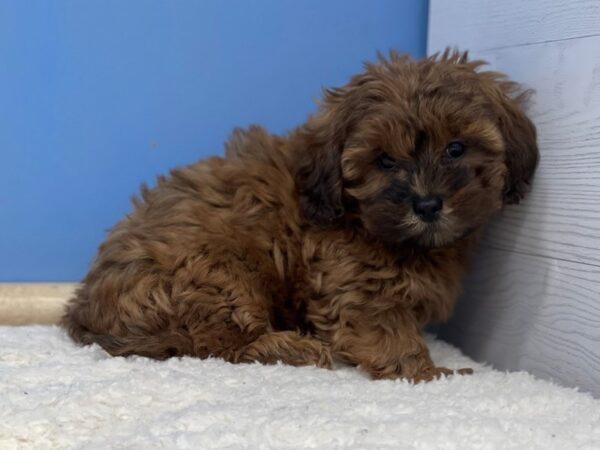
column 319, row 184
column 521, row 148
column 320, row 144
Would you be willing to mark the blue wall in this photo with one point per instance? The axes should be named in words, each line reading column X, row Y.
column 98, row 96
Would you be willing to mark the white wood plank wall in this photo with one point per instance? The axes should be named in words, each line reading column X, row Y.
column 532, row 300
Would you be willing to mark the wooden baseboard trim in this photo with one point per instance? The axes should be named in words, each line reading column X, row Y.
column 33, row 303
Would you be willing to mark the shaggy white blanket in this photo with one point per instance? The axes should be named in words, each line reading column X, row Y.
column 54, row 394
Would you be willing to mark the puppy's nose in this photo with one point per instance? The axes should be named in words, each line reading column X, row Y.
column 428, row 208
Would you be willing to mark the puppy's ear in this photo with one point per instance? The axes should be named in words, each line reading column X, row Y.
column 320, row 144
column 320, row 185
column 521, row 146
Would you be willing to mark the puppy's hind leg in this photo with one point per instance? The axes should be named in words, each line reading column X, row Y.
column 289, row 347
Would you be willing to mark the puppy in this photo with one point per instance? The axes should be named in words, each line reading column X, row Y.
column 339, row 240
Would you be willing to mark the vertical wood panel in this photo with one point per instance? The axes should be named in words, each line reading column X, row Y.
column 487, row 24
column 532, row 300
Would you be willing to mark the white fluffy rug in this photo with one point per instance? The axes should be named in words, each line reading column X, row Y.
column 56, row 395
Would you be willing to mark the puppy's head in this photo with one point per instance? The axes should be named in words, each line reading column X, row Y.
column 417, row 151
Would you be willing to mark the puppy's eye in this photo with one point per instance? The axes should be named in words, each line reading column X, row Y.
column 455, row 149
column 386, row 162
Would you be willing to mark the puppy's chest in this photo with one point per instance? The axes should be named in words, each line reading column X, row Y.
column 341, row 272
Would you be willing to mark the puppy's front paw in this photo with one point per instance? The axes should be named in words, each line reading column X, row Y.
column 432, row 372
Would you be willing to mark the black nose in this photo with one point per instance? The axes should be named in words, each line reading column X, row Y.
column 427, row 208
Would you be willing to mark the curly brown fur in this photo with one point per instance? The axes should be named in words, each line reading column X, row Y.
column 314, row 246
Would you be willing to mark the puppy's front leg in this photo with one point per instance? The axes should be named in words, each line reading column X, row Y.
column 388, row 347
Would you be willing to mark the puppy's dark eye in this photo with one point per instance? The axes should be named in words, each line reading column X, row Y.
column 455, row 149
column 386, row 162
